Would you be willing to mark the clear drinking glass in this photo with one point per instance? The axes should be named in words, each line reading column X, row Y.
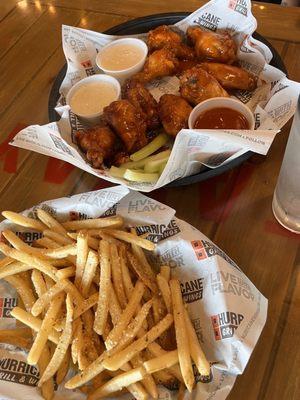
column 286, row 200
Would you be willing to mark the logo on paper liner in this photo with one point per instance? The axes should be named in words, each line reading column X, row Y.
column 18, row 371
column 239, row 6
column 208, row 21
column 157, row 232
column 225, row 324
column 192, row 290
column 6, row 305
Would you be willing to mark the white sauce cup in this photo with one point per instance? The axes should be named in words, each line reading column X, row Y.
column 93, row 118
column 123, row 74
column 218, row 102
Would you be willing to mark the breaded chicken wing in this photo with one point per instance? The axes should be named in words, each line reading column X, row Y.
column 174, row 112
column 158, row 64
column 197, row 85
column 231, row 77
column 143, row 100
column 128, row 123
column 98, row 143
column 218, row 47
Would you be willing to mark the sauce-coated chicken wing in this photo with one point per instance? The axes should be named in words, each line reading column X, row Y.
column 98, row 143
column 158, row 64
column 218, row 47
column 174, row 113
column 231, row 77
column 128, row 123
column 143, row 100
column 197, row 85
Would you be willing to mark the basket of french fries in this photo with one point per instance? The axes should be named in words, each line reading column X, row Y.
column 108, row 294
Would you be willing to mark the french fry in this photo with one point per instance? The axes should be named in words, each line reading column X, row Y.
column 66, row 273
column 165, row 291
column 33, row 322
column 62, row 346
column 13, row 268
column 116, row 361
column 45, row 242
column 20, row 337
column 82, row 254
column 24, row 290
column 21, row 220
column 165, row 361
column 47, row 388
column 18, row 244
column 38, row 282
column 6, row 261
column 196, row 352
column 51, row 222
column 165, row 272
column 181, row 335
column 61, row 252
column 57, row 238
column 114, row 307
column 103, row 301
column 127, row 282
column 129, row 238
column 45, row 299
column 95, row 223
column 117, row 275
column 77, row 328
column 93, row 243
column 89, row 272
column 147, row 381
column 164, row 378
column 157, row 351
column 63, row 368
column 118, row 383
column 85, row 305
column 126, row 316
column 181, row 391
column 147, row 279
column 35, row 262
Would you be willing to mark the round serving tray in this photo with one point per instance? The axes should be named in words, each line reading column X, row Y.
column 144, row 24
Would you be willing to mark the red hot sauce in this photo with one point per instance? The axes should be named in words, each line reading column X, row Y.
column 221, row 118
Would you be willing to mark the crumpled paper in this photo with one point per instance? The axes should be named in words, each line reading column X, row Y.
column 227, row 310
column 273, row 102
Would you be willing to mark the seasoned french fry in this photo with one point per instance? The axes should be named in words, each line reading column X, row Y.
column 51, row 222
column 65, row 273
column 114, row 307
column 148, row 381
column 181, row 335
column 85, row 305
column 42, row 335
column 45, row 299
column 6, row 261
column 63, row 368
column 126, row 316
column 20, row 337
column 24, row 221
column 13, row 268
column 38, row 282
column 82, row 254
column 61, row 252
column 93, row 243
column 165, row 272
column 63, row 344
column 35, row 262
column 147, row 279
column 117, row 275
column 103, row 301
column 95, row 223
column 165, row 361
column 33, row 322
column 127, row 237
column 24, row 290
column 89, row 272
column 116, row 361
column 18, row 244
column 181, row 391
column 57, row 237
column 196, row 352
column 47, row 388
column 165, row 291
column 77, row 328
column 118, row 383
column 164, row 378
column 127, row 282
column 157, row 351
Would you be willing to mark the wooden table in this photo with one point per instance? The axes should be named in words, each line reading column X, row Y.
column 234, row 210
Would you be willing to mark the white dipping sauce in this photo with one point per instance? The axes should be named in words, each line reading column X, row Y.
column 120, row 56
column 92, row 97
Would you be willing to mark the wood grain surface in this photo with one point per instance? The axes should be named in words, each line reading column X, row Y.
column 233, row 210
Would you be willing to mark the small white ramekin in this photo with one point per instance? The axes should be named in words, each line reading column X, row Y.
column 123, row 74
column 217, row 102
column 86, row 81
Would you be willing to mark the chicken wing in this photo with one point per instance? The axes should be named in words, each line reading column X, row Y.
column 128, row 123
column 231, row 77
column 197, row 85
column 174, row 112
column 213, row 46
column 143, row 100
column 164, row 37
column 98, row 143
column 158, row 64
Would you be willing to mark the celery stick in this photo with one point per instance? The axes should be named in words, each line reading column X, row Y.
column 150, row 148
column 154, row 166
column 135, row 176
column 141, row 163
column 116, row 172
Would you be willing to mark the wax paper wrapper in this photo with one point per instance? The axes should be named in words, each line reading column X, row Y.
column 273, row 102
column 227, row 310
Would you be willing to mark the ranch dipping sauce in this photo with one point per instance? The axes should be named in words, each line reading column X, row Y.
column 92, row 97
column 120, row 56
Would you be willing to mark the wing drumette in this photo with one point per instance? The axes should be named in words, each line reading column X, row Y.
column 128, row 123
column 143, row 100
column 213, row 46
column 197, row 85
column 174, row 112
column 160, row 63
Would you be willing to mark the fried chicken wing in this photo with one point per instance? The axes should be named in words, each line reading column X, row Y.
column 231, row 77
column 128, row 123
column 162, row 36
column 98, row 143
column 142, row 99
column 158, row 64
column 213, row 46
column 197, row 85
column 120, row 158
column 174, row 112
